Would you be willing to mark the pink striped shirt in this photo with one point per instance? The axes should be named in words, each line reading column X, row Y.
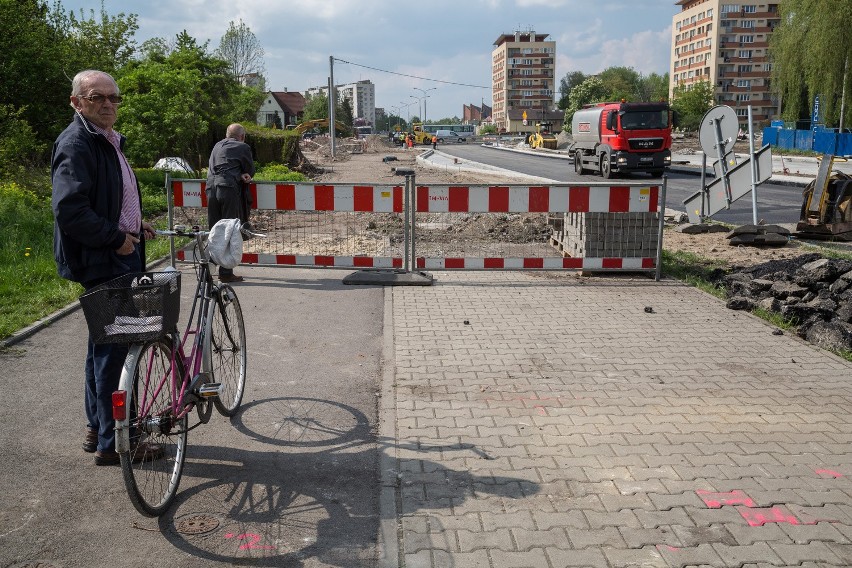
column 130, row 219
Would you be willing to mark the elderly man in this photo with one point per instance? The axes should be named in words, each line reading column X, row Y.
column 231, row 165
column 98, row 235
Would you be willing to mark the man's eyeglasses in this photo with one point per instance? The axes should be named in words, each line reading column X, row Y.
column 100, row 99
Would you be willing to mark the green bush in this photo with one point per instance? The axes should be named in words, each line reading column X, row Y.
column 277, row 172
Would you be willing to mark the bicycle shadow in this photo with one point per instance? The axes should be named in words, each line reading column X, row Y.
column 311, row 491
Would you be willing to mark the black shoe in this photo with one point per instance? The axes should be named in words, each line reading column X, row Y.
column 230, row 278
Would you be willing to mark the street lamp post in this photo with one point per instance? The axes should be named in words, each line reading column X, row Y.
column 418, row 105
column 425, row 96
column 408, row 113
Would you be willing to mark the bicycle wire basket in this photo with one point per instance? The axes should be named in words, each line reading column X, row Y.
column 133, row 308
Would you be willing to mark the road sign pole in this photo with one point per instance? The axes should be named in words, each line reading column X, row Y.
column 753, row 167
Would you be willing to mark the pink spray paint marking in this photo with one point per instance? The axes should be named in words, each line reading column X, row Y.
column 717, row 500
column 757, row 517
column 828, row 473
column 254, row 538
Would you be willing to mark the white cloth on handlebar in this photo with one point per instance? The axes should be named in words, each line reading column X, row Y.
column 225, row 243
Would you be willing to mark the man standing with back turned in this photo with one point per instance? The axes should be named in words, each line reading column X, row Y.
column 98, row 235
column 231, row 165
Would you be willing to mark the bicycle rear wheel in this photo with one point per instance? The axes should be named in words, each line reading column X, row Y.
column 226, row 349
column 153, row 466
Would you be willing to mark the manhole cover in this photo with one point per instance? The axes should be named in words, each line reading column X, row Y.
column 197, row 524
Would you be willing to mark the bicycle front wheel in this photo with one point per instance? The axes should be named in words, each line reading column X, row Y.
column 225, row 349
column 153, row 466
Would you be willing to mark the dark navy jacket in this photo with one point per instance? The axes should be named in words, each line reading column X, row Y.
column 87, row 196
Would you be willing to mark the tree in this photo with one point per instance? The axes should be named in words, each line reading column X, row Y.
column 812, row 47
column 104, row 43
column 316, row 107
column 621, row 83
column 34, row 84
column 692, row 103
column 592, row 90
column 653, row 88
column 566, row 84
column 241, row 49
column 180, row 103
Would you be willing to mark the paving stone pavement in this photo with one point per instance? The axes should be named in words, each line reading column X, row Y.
column 549, row 420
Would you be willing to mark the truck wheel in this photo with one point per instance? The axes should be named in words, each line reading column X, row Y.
column 657, row 173
column 578, row 163
column 606, row 168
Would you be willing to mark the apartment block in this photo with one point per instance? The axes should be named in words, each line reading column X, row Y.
column 727, row 45
column 361, row 95
column 523, row 76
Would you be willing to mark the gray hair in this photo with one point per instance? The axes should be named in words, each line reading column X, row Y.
column 82, row 78
column 235, row 130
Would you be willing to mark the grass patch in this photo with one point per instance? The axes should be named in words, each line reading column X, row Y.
column 30, row 287
column 694, row 270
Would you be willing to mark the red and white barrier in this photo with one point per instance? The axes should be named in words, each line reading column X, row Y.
column 440, row 199
column 537, row 199
column 302, row 196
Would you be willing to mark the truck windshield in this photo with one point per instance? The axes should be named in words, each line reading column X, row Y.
column 645, row 120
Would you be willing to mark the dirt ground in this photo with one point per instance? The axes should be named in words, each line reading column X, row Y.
column 369, row 166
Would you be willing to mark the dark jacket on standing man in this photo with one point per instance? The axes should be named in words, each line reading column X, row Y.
column 87, row 196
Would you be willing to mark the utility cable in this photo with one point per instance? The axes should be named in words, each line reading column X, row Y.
column 410, row 76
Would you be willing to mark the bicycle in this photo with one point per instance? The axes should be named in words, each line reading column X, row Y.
column 165, row 377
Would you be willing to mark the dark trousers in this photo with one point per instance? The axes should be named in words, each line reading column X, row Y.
column 224, row 202
column 103, row 372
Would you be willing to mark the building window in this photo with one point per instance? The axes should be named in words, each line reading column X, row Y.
column 747, row 39
column 744, row 54
column 743, row 97
column 744, row 83
column 710, row 13
column 749, row 9
column 726, row 8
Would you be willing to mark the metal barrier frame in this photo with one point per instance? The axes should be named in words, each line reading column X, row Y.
column 410, row 199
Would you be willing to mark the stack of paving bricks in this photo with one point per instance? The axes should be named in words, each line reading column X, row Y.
column 607, row 235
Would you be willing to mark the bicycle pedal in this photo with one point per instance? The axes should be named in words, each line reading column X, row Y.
column 210, row 390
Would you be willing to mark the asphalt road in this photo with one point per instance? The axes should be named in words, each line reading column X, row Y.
column 292, row 480
column 776, row 203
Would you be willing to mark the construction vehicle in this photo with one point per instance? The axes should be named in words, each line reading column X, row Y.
column 539, row 139
column 622, row 137
column 303, row 127
column 827, row 205
column 420, row 135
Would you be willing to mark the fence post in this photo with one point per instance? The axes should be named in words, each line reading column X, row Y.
column 660, row 228
column 413, row 207
column 171, row 216
column 406, row 235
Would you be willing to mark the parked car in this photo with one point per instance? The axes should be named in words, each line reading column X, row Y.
column 449, row 136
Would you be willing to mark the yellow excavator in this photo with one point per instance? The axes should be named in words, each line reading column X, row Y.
column 303, row 127
column 827, row 204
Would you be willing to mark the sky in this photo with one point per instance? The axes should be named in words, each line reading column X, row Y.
column 442, row 47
